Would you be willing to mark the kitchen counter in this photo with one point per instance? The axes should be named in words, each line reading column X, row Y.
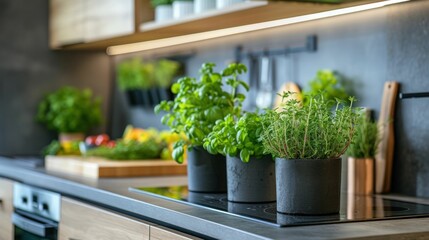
column 114, row 194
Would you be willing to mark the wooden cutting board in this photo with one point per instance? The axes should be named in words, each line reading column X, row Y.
column 95, row 167
column 384, row 156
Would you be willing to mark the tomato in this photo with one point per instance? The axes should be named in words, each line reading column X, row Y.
column 90, row 140
column 111, row 144
column 102, row 139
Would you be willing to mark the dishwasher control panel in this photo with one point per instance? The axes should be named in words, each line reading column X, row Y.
column 38, row 201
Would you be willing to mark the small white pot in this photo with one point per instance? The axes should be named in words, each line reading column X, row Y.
column 226, row 3
column 182, row 9
column 163, row 13
column 204, row 5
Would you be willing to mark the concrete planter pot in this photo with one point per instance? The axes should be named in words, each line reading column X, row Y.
column 182, row 8
column 225, row 3
column 204, row 5
column 71, row 137
column 251, row 182
column 163, row 13
column 308, row 186
column 206, row 172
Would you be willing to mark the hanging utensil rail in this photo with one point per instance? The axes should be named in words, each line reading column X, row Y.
column 310, row 46
column 413, row 95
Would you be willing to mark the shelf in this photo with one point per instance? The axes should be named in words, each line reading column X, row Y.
column 247, row 14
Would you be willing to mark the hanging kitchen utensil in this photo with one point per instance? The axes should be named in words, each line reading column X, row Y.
column 264, row 96
column 384, row 156
column 253, row 82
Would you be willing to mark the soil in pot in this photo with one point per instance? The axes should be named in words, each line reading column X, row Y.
column 253, row 182
column 308, row 186
column 206, row 172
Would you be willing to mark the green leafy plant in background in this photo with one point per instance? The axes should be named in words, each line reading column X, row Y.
column 134, row 74
column 327, row 84
column 309, row 131
column 164, row 72
column 365, row 139
column 70, row 110
column 156, row 3
column 236, row 136
column 129, row 150
column 200, row 103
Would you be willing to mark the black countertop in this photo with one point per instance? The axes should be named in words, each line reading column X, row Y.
column 114, row 194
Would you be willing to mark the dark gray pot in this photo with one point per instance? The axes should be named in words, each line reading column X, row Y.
column 206, row 172
column 251, row 182
column 308, row 186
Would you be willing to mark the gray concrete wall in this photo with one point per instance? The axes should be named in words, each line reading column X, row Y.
column 29, row 69
column 369, row 48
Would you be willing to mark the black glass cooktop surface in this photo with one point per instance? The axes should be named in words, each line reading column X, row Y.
column 353, row 208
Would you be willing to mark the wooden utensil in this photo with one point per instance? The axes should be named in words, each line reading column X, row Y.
column 287, row 87
column 384, row 156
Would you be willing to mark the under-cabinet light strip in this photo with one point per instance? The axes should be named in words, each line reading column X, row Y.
column 196, row 37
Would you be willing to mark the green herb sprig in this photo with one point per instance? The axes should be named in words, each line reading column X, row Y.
column 365, row 139
column 239, row 137
column 309, row 131
column 156, row 3
column 200, row 103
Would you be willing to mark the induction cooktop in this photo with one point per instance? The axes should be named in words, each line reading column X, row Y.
column 353, row 207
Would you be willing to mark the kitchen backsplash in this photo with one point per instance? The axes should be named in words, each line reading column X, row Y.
column 368, row 49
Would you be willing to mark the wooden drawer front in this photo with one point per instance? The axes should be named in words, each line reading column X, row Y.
column 85, row 222
column 162, row 233
column 6, row 208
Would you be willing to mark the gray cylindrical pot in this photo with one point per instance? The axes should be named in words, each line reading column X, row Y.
column 206, row 172
column 251, row 182
column 308, row 186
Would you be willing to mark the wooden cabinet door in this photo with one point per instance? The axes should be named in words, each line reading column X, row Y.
column 108, row 18
column 66, row 22
column 6, row 209
column 85, row 222
column 79, row 21
column 162, row 233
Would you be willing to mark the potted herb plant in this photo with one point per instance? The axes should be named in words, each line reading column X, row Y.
column 194, row 111
column 70, row 112
column 307, row 141
column 204, row 5
column 250, row 173
column 361, row 155
column 182, row 8
column 136, row 78
column 163, row 10
column 225, row 3
column 164, row 73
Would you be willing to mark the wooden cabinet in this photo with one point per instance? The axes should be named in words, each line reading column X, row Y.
column 6, row 209
column 85, row 222
column 162, row 233
column 81, row 21
column 103, row 23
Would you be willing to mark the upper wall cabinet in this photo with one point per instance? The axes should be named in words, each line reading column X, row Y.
column 98, row 24
column 81, row 21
